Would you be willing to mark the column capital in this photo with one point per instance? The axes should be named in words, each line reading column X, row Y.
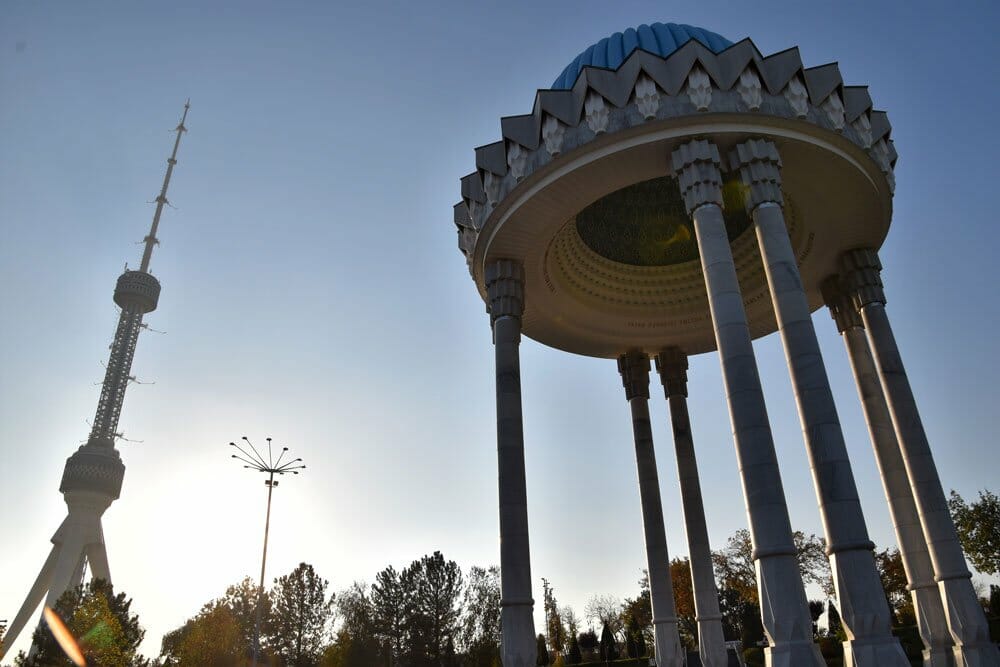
column 759, row 166
column 504, row 289
column 634, row 368
column 861, row 272
column 842, row 309
column 696, row 164
column 672, row 365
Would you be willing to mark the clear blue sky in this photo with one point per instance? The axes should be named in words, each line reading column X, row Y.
column 312, row 289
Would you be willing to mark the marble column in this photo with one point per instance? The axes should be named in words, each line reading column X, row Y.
column 931, row 621
column 634, row 369
column 966, row 620
column 863, row 606
column 505, row 290
column 672, row 366
column 784, row 609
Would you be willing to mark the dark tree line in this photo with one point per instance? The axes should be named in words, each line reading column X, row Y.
column 431, row 615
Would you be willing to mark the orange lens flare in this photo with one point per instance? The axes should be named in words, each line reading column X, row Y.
column 64, row 637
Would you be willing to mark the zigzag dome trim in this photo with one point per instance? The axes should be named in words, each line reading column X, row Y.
column 678, row 85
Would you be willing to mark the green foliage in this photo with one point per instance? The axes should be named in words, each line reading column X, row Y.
column 357, row 643
column 639, row 611
column 389, row 610
column 480, row 623
column 223, row 632
column 102, row 623
column 431, row 587
column 553, row 620
column 301, row 616
column 588, row 640
column 978, row 526
column 994, row 603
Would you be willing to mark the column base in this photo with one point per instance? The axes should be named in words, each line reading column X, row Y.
column 712, row 643
column 794, row 654
column 933, row 627
column 967, row 623
column 878, row 653
column 985, row 654
column 669, row 652
column 939, row 657
column 517, row 636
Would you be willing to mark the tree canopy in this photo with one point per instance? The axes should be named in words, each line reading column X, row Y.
column 106, row 630
column 978, row 526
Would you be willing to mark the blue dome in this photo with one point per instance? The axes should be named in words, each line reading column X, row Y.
column 659, row 38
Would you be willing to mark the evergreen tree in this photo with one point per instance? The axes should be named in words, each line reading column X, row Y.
column 301, row 616
column 609, row 649
column 573, row 656
column 431, row 587
column 541, row 651
column 389, row 609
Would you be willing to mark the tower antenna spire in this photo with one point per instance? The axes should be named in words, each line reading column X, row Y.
column 151, row 239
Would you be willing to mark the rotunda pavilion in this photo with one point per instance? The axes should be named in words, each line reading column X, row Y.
column 674, row 194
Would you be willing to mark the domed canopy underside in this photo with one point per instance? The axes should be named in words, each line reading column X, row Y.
column 580, row 301
column 581, row 192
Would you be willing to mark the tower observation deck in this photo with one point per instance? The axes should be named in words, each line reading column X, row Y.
column 92, row 478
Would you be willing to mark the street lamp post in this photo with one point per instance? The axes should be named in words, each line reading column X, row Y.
column 253, row 460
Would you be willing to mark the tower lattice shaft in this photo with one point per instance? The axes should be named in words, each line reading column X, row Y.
column 92, row 478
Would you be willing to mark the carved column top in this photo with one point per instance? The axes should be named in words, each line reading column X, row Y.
column 861, row 274
column 672, row 365
column 505, row 289
column 842, row 309
column 696, row 164
column 759, row 166
column 634, row 368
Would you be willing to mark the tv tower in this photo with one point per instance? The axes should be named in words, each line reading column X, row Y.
column 93, row 476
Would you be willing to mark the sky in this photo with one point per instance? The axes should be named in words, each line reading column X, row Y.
column 313, row 291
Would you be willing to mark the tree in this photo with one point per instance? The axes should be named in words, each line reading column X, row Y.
column 574, row 656
column 735, row 567
column 588, row 640
column 212, row 638
column 609, row 648
column 432, row 587
column 994, row 603
column 687, row 623
column 357, row 643
column 553, row 621
column 480, row 624
column 242, row 599
column 640, row 610
column 102, row 623
column 606, row 610
column 978, row 526
column 834, row 626
column 889, row 564
column 541, row 652
column 301, row 616
column 389, row 610
column 816, row 608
